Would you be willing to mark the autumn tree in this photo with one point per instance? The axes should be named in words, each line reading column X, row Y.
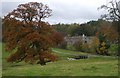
column 27, row 37
column 107, row 35
column 108, row 29
column 31, row 11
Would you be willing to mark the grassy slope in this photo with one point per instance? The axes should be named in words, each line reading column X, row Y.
column 0, row 60
column 94, row 66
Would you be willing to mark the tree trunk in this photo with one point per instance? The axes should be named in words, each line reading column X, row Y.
column 42, row 61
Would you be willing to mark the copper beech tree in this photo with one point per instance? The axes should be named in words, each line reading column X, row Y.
column 27, row 37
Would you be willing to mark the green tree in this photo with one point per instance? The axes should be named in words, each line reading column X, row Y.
column 104, row 44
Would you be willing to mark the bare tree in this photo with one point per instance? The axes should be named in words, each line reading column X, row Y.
column 113, row 8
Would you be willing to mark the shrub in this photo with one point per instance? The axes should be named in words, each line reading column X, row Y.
column 78, row 45
column 63, row 45
column 94, row 45
column 70, row 47
column 113, row 49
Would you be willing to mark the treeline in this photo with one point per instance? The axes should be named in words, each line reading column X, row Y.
column 0, row 29
column 89, row 29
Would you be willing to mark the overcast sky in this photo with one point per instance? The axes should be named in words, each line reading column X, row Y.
column 63, row 11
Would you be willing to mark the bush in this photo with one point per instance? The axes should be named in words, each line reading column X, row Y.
column 78, row 45
column 93, row 45
column 63, row 45
column 70, row 47
column 113, row 49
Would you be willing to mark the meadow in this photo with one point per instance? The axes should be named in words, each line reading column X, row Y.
column 94, row 65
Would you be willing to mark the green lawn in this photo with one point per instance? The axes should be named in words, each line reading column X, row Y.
column 0, row 60
column 93, row 66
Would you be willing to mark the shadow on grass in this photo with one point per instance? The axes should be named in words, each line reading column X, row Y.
column 15, row 65
column 91, row 68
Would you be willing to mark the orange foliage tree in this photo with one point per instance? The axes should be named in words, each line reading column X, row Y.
column 109, row 30
column 27, row 37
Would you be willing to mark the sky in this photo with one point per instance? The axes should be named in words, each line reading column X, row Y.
column 63, row 11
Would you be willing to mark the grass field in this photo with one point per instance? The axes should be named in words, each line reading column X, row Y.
column 0, row 60
column 93, row 66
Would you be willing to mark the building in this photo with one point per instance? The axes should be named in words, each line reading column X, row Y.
column 83, row 38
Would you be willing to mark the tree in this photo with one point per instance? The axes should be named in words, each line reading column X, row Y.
column 73, row 29
column 78, row 45
column 0, row 29
column 26, row 36
column 106, row 34
column 62, row 28
column 113, row 8
column 104, row 44
column 31, row 11
column 108, row 29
